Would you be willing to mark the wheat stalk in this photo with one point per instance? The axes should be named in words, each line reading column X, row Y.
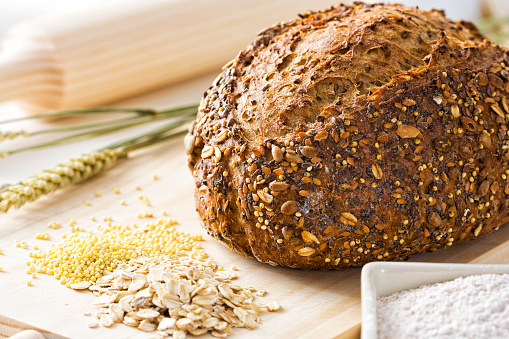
column 64, row 174
column 87, row 131
column 87, row 165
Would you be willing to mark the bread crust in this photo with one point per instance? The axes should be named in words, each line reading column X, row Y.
column 360, row 133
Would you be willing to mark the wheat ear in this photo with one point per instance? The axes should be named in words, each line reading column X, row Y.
column 64, row 174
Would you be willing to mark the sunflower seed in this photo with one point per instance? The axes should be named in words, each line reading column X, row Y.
column 306, row 251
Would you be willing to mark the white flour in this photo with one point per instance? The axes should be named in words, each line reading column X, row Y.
column 472, row 307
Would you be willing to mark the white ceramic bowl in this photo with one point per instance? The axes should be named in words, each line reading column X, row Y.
column 381, row 279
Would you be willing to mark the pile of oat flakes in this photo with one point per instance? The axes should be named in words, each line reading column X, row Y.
column 175, row 298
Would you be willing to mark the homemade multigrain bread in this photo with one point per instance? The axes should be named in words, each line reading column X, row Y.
column 361, row 133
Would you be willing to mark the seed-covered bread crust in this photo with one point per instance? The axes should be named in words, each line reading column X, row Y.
column 360, row 133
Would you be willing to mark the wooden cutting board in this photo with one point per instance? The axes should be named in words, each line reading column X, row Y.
column 314, row 304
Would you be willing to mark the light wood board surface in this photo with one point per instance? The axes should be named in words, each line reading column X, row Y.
column 314, row 304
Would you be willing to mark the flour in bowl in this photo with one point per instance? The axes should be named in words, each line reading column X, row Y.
column 473, row 307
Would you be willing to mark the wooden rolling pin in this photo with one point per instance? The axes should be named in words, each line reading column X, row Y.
column 121, row 48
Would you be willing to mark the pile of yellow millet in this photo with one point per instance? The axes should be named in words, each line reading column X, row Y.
column 87, row 257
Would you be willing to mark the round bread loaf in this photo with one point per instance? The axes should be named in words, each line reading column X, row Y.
column 360, row 133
